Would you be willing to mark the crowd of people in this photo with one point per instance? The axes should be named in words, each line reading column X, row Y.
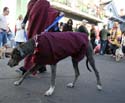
column 108, row 41
column 42, row 17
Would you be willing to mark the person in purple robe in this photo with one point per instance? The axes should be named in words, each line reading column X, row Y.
column 39, row 15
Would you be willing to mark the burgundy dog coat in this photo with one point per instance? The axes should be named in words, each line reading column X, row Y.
column 55, row 46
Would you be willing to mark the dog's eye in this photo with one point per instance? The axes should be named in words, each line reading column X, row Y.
column 15, row 54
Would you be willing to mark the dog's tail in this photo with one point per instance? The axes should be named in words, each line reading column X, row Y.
column 87, row 65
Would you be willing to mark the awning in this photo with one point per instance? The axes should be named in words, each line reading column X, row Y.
column 75, row 14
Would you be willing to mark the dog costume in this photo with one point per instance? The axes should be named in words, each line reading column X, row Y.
column 54, row 46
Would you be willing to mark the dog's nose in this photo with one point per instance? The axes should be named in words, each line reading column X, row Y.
column 8, row 63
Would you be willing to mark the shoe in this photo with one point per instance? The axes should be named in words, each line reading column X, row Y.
column 21, row 70
column 42, row 69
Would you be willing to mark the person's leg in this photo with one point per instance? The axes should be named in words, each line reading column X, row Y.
column 114, row 49
column 1, row 38
column 27, row 65
column 104, row 46
column 28, row 62
column 93, row 42
column 4, row 41
column 101, row 49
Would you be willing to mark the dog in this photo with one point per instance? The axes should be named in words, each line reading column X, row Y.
column 119, row 54
column 54, row 47
column 2, row 52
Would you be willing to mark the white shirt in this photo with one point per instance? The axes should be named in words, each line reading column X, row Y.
column 3, row 22
column 20, row 36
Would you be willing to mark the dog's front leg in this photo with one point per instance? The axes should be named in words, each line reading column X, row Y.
column 18, row 82
column 53, row 77
column 34, row 68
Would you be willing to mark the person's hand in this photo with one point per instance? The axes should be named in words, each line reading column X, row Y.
column 61, row 13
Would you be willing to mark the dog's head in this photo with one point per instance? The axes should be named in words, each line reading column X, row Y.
column 16, row 57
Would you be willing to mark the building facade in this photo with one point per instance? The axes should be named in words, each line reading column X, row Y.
column 91, row 10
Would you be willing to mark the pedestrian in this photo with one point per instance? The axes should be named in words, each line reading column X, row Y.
column 103, row 34
column 40, row 15
column 61, row 26
column 115, row 38
column 20, row 35
column 93, row 36
column 82, row 27
column 68, row 26
column 3, row 27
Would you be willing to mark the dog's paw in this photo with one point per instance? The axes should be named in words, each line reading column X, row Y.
column 49, row 92
column 17, row 83
column 70, row 85
column 99, row 87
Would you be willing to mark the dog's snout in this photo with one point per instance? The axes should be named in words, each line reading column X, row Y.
column 12, row 63
column 9, row 64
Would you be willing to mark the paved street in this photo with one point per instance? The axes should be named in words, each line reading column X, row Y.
column 33, row 88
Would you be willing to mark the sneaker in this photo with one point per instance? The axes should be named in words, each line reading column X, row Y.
column 21, row 70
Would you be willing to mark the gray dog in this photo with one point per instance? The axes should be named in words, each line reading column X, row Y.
column 53, row 47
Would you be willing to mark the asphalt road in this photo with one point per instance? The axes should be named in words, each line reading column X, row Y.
column 32, row 89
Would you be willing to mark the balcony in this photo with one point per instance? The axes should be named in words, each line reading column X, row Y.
column 82, row 6
column 76, row 10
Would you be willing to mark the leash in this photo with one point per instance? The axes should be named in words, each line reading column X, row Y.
column 46, row 30
column 54, row 23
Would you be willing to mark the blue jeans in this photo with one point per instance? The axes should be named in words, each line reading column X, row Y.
column 3, row 38
column 113, row 48
column 103, row 46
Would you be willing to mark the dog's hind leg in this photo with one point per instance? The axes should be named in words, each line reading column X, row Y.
column 34, row 68
column 76, row 69
column 91, row 60
column 53, row 77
